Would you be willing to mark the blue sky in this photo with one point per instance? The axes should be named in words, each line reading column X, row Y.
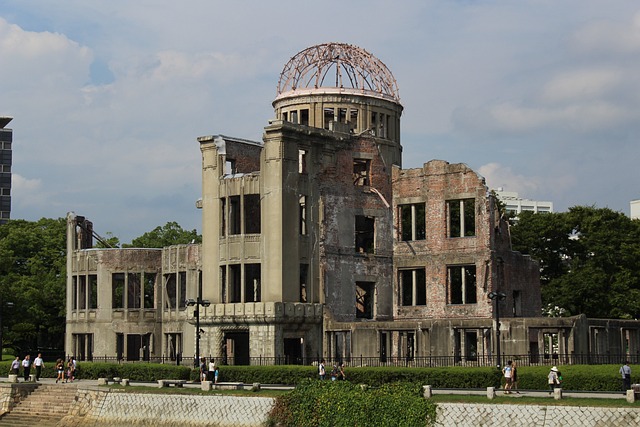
column 108, row 97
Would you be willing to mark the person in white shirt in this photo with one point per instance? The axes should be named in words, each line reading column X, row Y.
column 39, row 364
column 15, row 366
column 26, row 367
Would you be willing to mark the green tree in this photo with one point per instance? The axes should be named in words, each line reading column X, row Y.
column 170, row 234
column 32, row 283
column 589, row 260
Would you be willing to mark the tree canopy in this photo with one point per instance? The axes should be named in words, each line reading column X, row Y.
column 589, row 260
column 169, row 234
column 32, row 283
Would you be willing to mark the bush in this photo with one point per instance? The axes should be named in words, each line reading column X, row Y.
column 341, row 403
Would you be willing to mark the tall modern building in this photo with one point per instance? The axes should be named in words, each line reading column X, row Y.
column 6, row 139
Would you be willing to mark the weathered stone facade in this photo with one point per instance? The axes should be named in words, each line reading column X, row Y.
column 316, row 243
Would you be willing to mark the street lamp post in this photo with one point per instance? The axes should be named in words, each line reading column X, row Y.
column 199, row 302
column 497, row 296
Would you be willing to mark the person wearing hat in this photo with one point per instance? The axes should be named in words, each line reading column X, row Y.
column 553, row 379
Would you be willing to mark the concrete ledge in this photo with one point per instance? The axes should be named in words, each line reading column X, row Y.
column 167, row 383
column 228, row 386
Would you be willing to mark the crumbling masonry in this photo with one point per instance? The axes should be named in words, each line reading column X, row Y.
column 316, row 243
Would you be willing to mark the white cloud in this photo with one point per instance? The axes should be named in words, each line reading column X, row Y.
column 586, row 84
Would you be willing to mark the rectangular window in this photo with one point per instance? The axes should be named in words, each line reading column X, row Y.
column 462, row 284
column 413, row 287
column 365, row 234
column 328, row 117
column 173, row 345
column 119, row 346
column 230, row 166
column 133, row 290
column 170, row 289
column 117, row 294
column 223, row 217
column 304, row 271
column 82, row 292
column 235, row 285
column 361, row 172
column 517, row 303
column 304, row 116
column 353, row 118
column 364, row 300
column 252, row 283
column 149, row 290
column 74, row 293
column 294, row 117
column 342, row 115
column 234, row 215
column 374, row 123
column 302, row 161
column 413, row 222
column 302, row 220
column 93, row 291
column 462, row 218
column 223, row 281
column 252, row 214
column 182, row 296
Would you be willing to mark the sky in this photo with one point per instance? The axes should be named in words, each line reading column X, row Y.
column 108, row 97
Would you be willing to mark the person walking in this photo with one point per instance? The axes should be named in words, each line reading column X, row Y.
column 59, row 370
column 39, row 364
column 15, row 366
column 321, row 370
column 26, row 367
column 514, row 378
column 553, row 379
column 507, row 371
column 212, row 369
column 625, row 371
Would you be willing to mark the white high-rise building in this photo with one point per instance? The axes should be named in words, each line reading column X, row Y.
column 516, row 204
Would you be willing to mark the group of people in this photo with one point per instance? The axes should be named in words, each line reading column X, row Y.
column 337, row 372
column 210, row 372
column 66, row 375
column 26, row 364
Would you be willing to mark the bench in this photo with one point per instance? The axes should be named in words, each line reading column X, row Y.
column 121, row 381
column 167, row 383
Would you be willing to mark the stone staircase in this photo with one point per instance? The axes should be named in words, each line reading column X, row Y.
column 44, row 407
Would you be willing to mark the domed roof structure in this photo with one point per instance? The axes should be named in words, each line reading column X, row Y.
column 338, row 65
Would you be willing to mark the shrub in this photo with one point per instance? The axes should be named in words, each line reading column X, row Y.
column 342, row 403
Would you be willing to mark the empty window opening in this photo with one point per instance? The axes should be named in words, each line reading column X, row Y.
column 552, row 344
column 304, row 117
column 252, row 214
column 82, row 345
column 149, row 290
column 294, row 117
column 462, row 284
column 342, row 115
column 252, row 282
column 304, row 271
column 302, row 161
column 285, row 116
column 353, row 118
column 182, row 296
column 235, row 284
column 74, row 293
column 230, row 167
column 329, row 116
column 82, row 292
column 462, row 218
column 365, row 234
column 374, row 123
column 413, row 286
column 117, row 294
column 133, row 290
column 302, row 220
column 382, row 129
column 93, row 291
column 223, row 281
column 234, row 215
column 223, row 217
column 171, row 293
column 517, row 303
column 173, row 345
column 361, row 172
column 364, row 300
column 413, row 222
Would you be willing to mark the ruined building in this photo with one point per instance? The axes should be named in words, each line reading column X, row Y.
column 317, row 243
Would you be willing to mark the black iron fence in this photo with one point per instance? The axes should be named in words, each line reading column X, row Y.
column 415, row 362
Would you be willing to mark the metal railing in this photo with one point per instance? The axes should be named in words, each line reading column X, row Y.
column 543, row 359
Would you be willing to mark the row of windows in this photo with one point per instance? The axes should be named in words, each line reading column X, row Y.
column 5, row 145
column 379, row 123
column 461, row 220
column 5, row 168
column 461, row 285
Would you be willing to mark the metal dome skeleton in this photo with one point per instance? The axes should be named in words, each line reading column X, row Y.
column 338, row 65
